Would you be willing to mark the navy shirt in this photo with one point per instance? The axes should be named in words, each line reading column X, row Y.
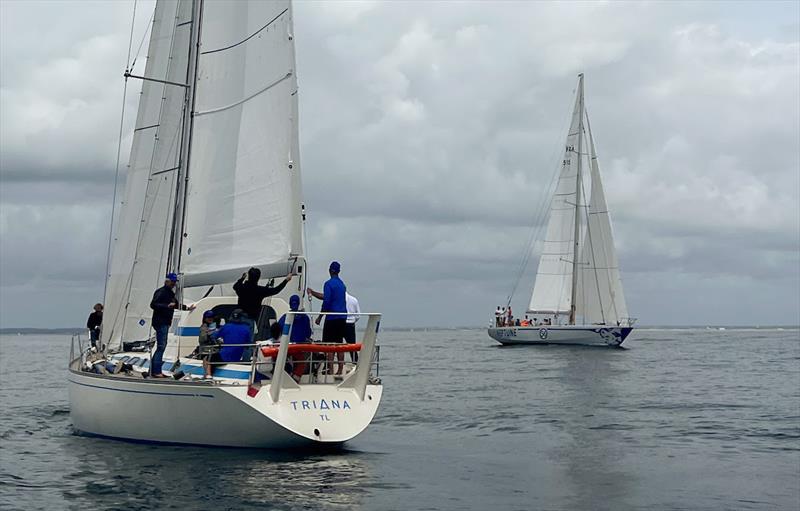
column 162, row 313
column 301, row 328
column 334, row 298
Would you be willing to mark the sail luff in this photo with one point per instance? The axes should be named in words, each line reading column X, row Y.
column 179, row 216
column 577, row 222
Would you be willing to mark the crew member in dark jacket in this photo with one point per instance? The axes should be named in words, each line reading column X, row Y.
column 251, row 294
column 163, row 304
column 94, row 322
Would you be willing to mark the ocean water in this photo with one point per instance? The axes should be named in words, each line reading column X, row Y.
column 682, row 419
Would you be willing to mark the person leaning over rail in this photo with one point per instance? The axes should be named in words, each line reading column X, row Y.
column 94, row 322
column 333, row 300
column 163, row 304
column 209, row 349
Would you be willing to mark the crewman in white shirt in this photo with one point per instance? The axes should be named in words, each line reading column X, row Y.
column 350, row 324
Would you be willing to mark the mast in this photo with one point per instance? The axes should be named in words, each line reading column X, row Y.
column 576, row 251
column 186, row 140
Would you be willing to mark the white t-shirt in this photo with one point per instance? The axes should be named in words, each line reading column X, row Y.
column 352, row 306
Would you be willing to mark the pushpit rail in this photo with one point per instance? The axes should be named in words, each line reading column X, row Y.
column 356, row 380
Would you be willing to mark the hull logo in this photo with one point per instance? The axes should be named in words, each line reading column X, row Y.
column 543, row 333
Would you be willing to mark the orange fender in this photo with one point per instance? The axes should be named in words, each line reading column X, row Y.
column 315, row 348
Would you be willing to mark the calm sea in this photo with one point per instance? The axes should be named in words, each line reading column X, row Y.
column 682, row 419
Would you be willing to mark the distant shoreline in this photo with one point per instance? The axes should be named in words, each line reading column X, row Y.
column 82, row 330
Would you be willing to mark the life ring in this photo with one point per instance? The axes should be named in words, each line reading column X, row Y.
column 269, row 351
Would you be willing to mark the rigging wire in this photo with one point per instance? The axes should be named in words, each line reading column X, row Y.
column 538, row 218
column 119, row 151
column 141, row 42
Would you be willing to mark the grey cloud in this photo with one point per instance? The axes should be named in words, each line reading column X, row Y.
column 429, row 133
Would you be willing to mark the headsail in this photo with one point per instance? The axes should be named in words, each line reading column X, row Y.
column 243, row 197
column 601, row 299
column 141, row 238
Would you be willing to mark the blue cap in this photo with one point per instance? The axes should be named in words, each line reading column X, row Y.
column 335, row 267
column 294, row 302
column 208, row 314
column 172, row 276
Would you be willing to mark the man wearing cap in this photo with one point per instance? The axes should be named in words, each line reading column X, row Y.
column 333, row 300
column 163, row 304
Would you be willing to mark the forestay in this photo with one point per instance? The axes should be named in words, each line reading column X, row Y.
column 243, row 196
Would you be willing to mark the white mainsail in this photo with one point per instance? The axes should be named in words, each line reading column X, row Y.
column 238, row 202
column 141, row 240
column 586, row 268
column 243, row 199
column 552, row 290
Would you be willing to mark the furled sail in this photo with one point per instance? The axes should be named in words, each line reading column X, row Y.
column 600, row 296
column 142, row 233
column 243, row 194
column 552, row 291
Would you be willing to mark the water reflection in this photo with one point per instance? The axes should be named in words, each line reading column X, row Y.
column 139, row 475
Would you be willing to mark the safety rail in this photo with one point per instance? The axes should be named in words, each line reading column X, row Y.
column 356, row 373
column 356, row 379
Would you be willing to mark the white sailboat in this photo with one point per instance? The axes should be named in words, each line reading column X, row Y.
column 577, row 296
column 213, row 188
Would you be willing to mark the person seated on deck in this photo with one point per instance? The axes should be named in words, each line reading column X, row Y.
column 525, row 322
column 209, row 348
column 235, row 331
column 301, row 332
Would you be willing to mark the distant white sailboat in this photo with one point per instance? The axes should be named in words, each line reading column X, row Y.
column 213, row 188
column 577, row 296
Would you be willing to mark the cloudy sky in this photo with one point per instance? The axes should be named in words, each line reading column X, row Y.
column 428, row 132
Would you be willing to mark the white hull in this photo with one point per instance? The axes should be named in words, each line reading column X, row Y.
column 217, row 415
column 567, row 334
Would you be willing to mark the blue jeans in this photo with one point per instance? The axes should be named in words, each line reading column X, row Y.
column 161, row 344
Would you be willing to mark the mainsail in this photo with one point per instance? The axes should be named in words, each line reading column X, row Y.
column 237, row 202
column 242, row 207
column 552, row 291
column 578, row 264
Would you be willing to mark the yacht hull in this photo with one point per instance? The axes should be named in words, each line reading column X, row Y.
column 566, row 334
column 197, row 413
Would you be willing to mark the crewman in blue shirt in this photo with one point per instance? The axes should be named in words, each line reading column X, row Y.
column 301, row 333
column 234, row 331
column 333, row 300
column 301, row 323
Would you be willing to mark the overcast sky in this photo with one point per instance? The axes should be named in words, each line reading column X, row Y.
column 428, row 131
